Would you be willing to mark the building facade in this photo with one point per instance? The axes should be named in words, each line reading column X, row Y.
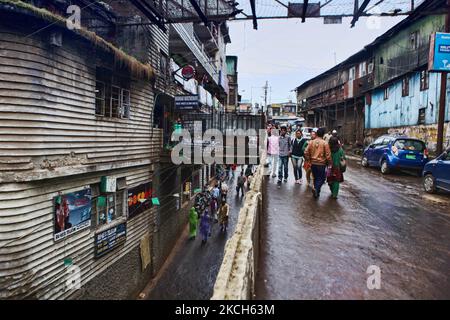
column 90, row 204
column 384, row 88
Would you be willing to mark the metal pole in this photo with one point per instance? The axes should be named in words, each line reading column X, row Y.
column 443, row 94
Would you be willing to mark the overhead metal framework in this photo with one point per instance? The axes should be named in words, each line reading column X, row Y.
column 359, row 11
column 306, row 9
column 161, row 12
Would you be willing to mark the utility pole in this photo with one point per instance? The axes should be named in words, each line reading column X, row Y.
column 443, row 94
column 265, row 94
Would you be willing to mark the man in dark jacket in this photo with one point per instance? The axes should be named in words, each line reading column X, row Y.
column 297, row 152
column 284, row 152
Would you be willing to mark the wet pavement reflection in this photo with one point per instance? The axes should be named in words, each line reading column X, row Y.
column 321, row 249
column 192, row 272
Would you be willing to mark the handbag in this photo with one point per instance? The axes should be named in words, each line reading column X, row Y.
column 343, row 165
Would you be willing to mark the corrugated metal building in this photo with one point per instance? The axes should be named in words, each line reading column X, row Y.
column 80, row 154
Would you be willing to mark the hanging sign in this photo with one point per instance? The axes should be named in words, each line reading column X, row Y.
column 188, row 72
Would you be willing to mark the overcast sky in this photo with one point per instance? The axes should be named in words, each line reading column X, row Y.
column 287, row 53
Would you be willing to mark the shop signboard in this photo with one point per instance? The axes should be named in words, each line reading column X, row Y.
column 186, row 102
column 110, row 239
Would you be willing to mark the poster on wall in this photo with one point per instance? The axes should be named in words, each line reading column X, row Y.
column 139, row 199
column 72, row 212
column 110, row 239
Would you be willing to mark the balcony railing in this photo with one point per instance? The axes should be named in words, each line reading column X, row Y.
column 186, row 33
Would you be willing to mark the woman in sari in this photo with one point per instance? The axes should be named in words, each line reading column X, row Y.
column 335, row 175
column 193, row 222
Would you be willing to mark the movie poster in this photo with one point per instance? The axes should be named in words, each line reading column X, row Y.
column 72, row 213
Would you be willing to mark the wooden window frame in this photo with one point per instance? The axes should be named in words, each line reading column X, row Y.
column 118, row 204
column 405, row 86
column 102, row 99
column 424, row 111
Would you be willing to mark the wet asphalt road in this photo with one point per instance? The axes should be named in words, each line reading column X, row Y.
column 321, row 249
column 192, row 273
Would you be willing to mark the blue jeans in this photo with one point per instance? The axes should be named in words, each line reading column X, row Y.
column 283, row 166
column 297, row 164
column 320, row 175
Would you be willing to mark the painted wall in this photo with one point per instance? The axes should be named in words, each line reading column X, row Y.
column 404, row 111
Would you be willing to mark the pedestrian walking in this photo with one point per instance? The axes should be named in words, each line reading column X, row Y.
column 319, row 154
column 297, row 153
column 224, row 191
column 223, row 216
column 284, row 153
column 307, row 164
column 272, row 152
column 334, row 133
column 228, row 172
column 193, row 223
column 233, row 170
column 240, row 184
column 335, row 174
column 205, row 226
column 327, row 136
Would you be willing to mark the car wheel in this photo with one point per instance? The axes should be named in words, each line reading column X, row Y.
column 384, row 167
column 365, row 162
column 428, row 183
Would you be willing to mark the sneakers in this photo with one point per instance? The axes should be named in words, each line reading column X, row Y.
column 285, row 180
column 279, row 184
column 274, row 175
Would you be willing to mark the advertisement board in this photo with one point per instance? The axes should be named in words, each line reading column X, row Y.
column 110, row 239
column 439, row 59
column 72, row 212
column 139, row 199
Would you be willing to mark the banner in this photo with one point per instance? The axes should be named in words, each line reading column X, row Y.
column 72, row 213
column 139, row 199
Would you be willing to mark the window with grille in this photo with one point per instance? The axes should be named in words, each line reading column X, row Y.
column 362, row 69
column 414, row 40
column 422, row 116
column 424, row 80
column 106, row 206
column 352, row 74
column 112, row 95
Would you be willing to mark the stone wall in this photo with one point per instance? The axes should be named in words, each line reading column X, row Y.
column 236, row 278
column 427, row 133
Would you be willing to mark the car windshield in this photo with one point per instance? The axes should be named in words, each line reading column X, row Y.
column 410, row 145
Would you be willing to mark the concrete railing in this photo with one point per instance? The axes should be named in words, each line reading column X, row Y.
column 236, row 278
